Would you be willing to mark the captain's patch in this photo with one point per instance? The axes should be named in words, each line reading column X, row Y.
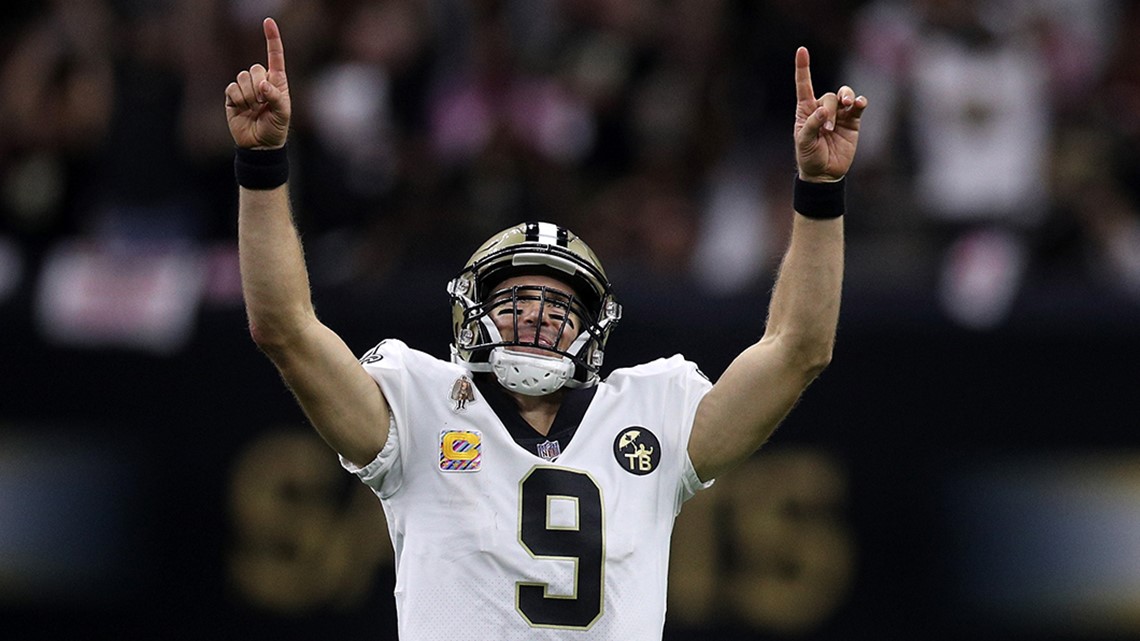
column 460, row 450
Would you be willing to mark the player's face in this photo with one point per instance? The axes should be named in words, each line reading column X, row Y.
column 556, row 316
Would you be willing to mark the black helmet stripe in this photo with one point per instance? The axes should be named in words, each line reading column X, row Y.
column 535, row 231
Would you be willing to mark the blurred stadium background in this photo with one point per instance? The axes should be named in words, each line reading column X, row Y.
column 969, row 466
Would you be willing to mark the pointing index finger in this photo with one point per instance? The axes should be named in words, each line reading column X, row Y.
column 274, row 48
column 804, row 91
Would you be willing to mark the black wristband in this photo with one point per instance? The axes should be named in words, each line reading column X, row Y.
column 261, row 168
column 821, row 201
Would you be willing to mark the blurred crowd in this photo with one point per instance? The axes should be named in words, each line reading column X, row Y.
column 1000, row 146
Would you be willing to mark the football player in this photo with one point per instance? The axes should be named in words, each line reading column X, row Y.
column 526, row 497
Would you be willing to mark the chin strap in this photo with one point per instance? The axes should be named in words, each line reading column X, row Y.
column 530, row 374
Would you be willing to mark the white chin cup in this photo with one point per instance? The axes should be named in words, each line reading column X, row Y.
column 530, row 374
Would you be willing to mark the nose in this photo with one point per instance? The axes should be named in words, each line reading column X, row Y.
column 529, row 312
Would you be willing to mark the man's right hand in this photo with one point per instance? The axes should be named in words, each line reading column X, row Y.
column 257, row 102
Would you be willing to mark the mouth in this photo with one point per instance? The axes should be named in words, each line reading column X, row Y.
column 539, row 341
column 539, row 344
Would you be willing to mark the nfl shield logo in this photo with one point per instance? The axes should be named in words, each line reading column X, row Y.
column 549, row 450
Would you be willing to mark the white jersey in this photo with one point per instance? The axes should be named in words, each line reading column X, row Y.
column 495, row 542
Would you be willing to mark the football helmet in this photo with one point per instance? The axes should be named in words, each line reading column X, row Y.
column 533, row 249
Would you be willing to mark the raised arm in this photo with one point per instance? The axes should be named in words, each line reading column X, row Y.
column 339, row 398
column 764, row 382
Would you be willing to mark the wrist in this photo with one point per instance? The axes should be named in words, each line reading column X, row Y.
column 817, row 179
column 261, row 169
column 819, row 199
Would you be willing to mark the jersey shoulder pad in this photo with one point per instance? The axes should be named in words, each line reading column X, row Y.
column 393, row 353
column 676, row 366
column 388, row 348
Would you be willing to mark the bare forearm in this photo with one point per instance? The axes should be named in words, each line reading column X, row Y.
column 275, row 284
column 343, row 402
column 761, row 385
column 804, row 310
